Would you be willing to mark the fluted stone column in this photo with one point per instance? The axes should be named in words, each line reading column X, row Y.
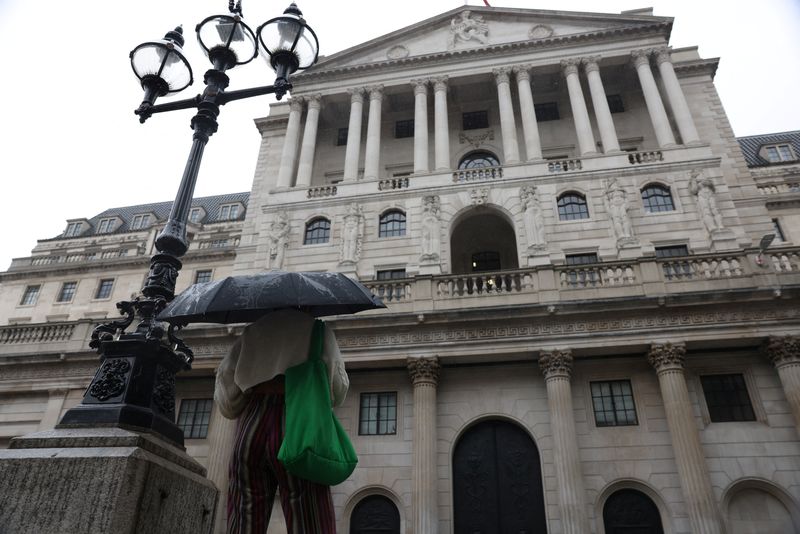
column 507, row 124
column 221, row 437
column 655, row 107
column 677, row 100
column 353, row 148
column 309, row 144
column 784, row 353
column 556, row 366
column 420, row 126
column 289, row 154
column 440, row 125
column 704, row 516
column 372, row 156
column 580, row 115
column 600, row 104
column 424, row 506
column 52, row 414
column 533, row 144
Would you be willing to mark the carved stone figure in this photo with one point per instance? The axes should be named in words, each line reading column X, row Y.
column 278, row 237
column 533, row 217
column 617, row 206
column 467, row 28
column 479, row 196
column 430, row 229
column 704, row 191
column 352, row 235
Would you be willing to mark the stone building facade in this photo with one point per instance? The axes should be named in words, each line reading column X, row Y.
column 584, row 317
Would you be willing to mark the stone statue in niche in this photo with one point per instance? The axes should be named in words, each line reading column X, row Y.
column 467, row 28
column 533, row 217
column 278, row 238
column 352, row 235
column 705, row 192
column 616, row 201
column 431, row 210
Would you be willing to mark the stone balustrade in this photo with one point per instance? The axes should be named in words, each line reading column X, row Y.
column 400, row 182
column 565, row 165
column 323, row 191
column 584, row 276
column 477, row 175
column 77, row 257
column 779, row 188
column 42, row 338
column 706, row 267
column 391, row 290
column 785, row 262
column 653, row 156
column 454, row 286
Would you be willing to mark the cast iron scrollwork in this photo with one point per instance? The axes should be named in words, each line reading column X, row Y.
column 164, row 391
column 111, row 379
column 180, row 348
column 106, row 331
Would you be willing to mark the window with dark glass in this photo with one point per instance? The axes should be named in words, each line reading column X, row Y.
column 488, row 260
column 479, row 159
column 193, row 418
column 779, row 153
column 582, row 259
column 201, row 277
column 392, row 224
column 317, row 231
column 727, row 398
column 104, row 288
column 29, row 296
column 391, row 274
column 341, row 137
column 140, row 221
column 672, row 251
column 656, row 197
column 378, row 414
column 615, row 104
column 546, row 111
column 67, row 291
column 106, row 226
column 613, row 403
column 73, row 229
column 776, row 227
column 228, row 212
column 572, row 206
column 220, row 243
column 404, row 129
column 472, row 120
column 675, row 269
column 195, row 214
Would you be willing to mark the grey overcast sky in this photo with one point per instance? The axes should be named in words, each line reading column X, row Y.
column 71, row 147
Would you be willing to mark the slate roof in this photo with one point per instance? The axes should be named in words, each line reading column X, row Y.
column 211, row 205
column 752, row 144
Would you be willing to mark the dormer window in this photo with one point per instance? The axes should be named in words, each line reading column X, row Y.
column 106, row 226
column 195, row 215
column 779, row 153
column 73, row 229
column 228, row 212
column 140, row 221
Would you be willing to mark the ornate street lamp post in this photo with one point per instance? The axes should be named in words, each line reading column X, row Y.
column 135, row 384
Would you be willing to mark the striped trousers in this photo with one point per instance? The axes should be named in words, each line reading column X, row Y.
column 255, row 474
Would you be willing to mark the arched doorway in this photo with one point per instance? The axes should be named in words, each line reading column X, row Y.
column 375, row 514
column 483, row 241
column 497, row 481
column 755, row 510
column 629, row 511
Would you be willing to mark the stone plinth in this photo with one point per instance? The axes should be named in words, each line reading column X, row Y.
column 106, row 480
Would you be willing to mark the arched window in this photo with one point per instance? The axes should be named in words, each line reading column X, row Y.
column 479, row 159
column 572, row 206
column 317, row 231
column 629, row 510
column 373, row 514
column 656, row 197
column 392, row 224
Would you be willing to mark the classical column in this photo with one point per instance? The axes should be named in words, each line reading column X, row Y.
column 289, row 154
column 309, row 144
column 507, row 124
column 420, row 125
column 353, row 147
column 583, row 128
column 52, row 414
column 424, row 506
column 372, row 156
column 600, row 103
column 533, row 145
column 440, row 125
column 704, row 516
column 677, row 100
column 221, row 437
column 556, row 366
column 658, row 116
column 784, row 353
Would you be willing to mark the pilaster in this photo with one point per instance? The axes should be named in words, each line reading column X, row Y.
column 784, row 353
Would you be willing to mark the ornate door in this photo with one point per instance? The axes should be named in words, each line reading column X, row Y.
column 375, row 515
column 629, row 511
column 497, row 482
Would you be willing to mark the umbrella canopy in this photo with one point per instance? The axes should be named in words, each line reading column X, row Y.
column 243, row 299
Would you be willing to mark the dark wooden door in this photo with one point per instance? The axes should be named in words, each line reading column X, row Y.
column 375, row 515
column 629, row 511
column 497, row 482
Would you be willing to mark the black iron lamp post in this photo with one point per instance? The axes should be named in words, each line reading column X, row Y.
column 135, row 384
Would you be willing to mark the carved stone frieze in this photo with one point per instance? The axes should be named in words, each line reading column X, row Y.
column 667, row 356
column 540, row 31
column 397, row 52
column 424, row 370
column 783, row 350
column 479, row 196
column 467, row 27
column 476, row 139
column 556, row 363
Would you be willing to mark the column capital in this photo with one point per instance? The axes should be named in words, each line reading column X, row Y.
column 375, row 92
column 556, row 363
column 420, row 86
column 640, row 57
column 356, row 95
column 296, row 103
column 591, row 63
column 782, row 350
column 314, row 101
column 440, row 83
column 570, row 66
column 501, row 74
column 522, row 72
column 662, row 55
column 424, row 370
column 667, row 356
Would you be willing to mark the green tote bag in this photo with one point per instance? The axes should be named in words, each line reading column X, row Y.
column 315, row 446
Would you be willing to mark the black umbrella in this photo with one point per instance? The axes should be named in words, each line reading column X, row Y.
column 243, row 299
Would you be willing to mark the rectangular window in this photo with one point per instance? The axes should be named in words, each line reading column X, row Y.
column 30, row 296
column 776, row 226
column 391, row 274
column 67, row 292
column 73, row 229
column 341, row 137
column 547, row 111
column 193, row 418
column 140, row 221
column 613, row 403
column 582, row 259
column 104, row 288
column 378, row 414
column 194, row 215
column 615, row 104
column 672, row 251
column 219, row 243
column 404, row 129
column 106, row 226
column 727, row 398
column 228, row 212
column 779, row 153
column 473, row 120
column 201, row 277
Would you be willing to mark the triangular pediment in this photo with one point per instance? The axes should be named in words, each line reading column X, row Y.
column 470, row 28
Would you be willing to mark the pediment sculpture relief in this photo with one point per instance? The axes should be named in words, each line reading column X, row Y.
column 540, row 31
column 466, row 27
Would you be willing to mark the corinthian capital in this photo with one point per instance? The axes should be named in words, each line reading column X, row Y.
column 501, row 75
column 783, row 350
column 570, row 66
column 439, row 83
column 375, row 92
column 420, row 87
column 522, row 72
column 356, row 95
column 424, row 370
column 640, row 57
column 314, row 101
column 591, row 64
column 556, row 363
column 296, row 104
column 667, row 356
column 662, row 54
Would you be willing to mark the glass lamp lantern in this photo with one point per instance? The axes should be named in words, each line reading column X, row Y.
column 161, row 66
column 289, row 42
column 227, row 41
